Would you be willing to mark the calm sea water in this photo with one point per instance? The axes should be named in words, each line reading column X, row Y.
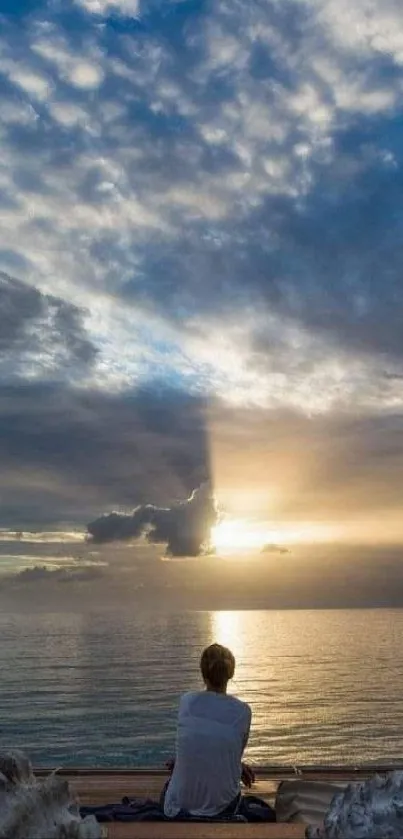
column 325, row 687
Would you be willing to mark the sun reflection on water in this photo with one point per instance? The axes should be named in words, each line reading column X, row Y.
column 231, row 630
column 227, row 628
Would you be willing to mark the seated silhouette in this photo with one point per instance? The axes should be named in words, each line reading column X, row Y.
column 212, row 733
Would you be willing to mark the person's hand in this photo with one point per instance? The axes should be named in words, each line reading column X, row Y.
column 247, row 775
column 170, row 764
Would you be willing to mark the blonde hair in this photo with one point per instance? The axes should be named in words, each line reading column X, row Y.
column 217, row 665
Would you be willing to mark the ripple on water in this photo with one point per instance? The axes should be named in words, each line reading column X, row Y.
column 95, row 690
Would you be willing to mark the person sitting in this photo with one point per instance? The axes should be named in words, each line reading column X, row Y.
column 212, row 732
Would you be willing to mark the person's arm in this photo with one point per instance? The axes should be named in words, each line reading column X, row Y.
column 247, row 731
column 247, row 773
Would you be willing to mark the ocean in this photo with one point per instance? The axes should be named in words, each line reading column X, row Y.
column 102, row 689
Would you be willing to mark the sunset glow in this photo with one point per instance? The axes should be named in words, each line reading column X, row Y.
column 232, row 535
column 238, row 534
column 201, row 353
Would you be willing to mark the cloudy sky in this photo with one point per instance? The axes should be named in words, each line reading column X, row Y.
column 201, row 238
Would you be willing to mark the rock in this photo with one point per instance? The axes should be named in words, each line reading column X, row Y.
column 372, row 809
column 16, row 767
column 33, row 809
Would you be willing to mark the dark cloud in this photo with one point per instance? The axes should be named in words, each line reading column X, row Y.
column 184, row 527
column 39, row 329
column 274, row 549
column 40, row 573
column 68, row 454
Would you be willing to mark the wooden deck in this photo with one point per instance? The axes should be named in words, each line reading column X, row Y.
column 105, row 786
column 101, row 788
column 165, row 830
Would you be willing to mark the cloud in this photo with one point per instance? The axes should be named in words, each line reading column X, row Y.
column 68, row 453
column 130, row 8
column 284, row 467
column 41, row 574
column 40, row 335
column 32, row 83
column 331, row 578
column 81, row 72
column 365, row 28
column 240, row 160
column 276, row 549
column 184, row 526
column 16, row 537
column 262, row 360
column 204, row 194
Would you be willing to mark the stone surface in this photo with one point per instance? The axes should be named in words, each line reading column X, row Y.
column 369, row 810
column 16, row 767
column 33, row 809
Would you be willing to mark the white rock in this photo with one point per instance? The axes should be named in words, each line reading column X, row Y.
column 369, row 810
column 32, row 809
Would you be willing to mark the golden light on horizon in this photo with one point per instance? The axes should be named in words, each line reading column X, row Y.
column 239, row 536
column 236, row 534
column 232, row 535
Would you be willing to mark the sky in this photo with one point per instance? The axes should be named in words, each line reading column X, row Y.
column 200, row 255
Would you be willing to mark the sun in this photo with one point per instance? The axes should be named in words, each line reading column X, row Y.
column 240, row 536
column 235, row 535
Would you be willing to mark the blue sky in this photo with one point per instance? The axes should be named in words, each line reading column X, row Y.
column 200, row 205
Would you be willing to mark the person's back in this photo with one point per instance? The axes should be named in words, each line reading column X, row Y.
column 212, row 733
